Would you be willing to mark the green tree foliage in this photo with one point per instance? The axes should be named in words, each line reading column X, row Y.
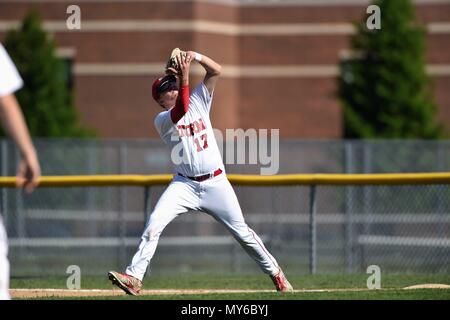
column 46, row 100
column 384, row 89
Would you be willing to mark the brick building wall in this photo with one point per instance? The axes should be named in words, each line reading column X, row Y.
column 280, row 58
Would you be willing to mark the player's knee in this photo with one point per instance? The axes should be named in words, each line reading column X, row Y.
column 247, row 238
column 152, row 232
column 243, row 235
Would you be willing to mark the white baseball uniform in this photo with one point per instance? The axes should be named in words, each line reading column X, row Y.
column 10, row 81
column 214, row 196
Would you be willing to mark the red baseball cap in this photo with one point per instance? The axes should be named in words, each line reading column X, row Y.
column 163, row 84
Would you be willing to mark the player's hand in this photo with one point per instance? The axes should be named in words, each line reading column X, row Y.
column 28, row 173
column 191, row 55
column 184, row 62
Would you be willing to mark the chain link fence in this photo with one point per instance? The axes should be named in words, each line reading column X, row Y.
column 402, row 229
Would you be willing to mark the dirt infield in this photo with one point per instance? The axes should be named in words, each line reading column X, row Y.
column 38, row 293
column 41, row 293
column 429, row 286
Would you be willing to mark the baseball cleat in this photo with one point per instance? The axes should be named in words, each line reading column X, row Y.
column 127, row 283
column 281, row 283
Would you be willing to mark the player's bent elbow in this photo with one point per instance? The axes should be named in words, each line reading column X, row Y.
column 218, row 70
column 215, row 70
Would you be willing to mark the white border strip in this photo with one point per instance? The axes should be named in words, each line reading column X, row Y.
column 118, row 69
column 255, row 217
column 227, row 29
column 114, row 241
column 209, row 241
column 229, row 71
column 66, row 52
column 404, row 241
column 438, row 70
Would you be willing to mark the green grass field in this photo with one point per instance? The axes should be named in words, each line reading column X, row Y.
column 391, row 287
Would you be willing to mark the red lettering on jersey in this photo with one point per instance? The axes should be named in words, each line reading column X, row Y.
column 198, row 145
column 190, row 129
column 201, row 125
column 180, row 130
column 186, row 132
column 203, row 137
column 194, row 127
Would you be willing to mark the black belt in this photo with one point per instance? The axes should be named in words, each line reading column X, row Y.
column 203, row 177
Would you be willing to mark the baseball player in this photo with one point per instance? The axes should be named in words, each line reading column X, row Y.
column 200, row 182
column 29, row 169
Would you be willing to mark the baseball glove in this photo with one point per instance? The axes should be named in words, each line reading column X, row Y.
column 172, row 66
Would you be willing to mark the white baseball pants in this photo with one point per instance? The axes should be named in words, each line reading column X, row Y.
column 4, row 263
column 214, row 196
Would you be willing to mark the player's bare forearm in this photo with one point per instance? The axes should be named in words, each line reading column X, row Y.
column 11, row 116
column 14, row 123
column 213, row 70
